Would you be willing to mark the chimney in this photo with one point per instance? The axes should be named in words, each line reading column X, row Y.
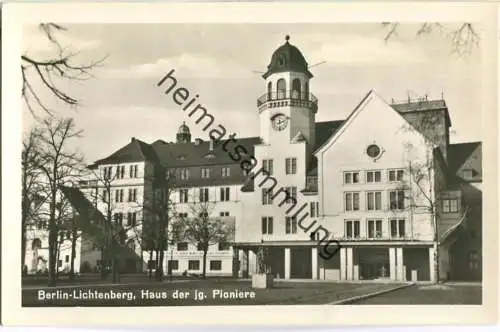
column 198, row 141
column 133, row 139
column 211, row 146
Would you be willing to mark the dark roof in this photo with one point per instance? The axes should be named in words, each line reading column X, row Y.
column 136, row 150
column 287, row 58
column 324, row 130
column 459, row 153
column 199, row 154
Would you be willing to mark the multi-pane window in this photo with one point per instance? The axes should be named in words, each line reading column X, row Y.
column 374, row 200
column 291, row 165
column 183, row 195
column 119, row 195
column 291, row 194
column 215, row 265
column 225, row 172
column 267, row 225
column 205, row 173
column 374, row 228
column 183, row 215
column 183, row 173
column 224, row 214
column 351, row 177
column 351, row 228
column 120, row 172
column 373, row 176
column 108, row 172
column 291, row 225
column 182, row 246
column 267, row 196
column 397, row 227
column 351, row 201
column 314, row 209
column 224, row 194
column 204, row 195
column 194, row 265
column 132, row 219
column 397, row 199
column 132, row 195
column 132, row 171
column 173, row 265
column 267, row 166
column 450, row 205
column 396, row 175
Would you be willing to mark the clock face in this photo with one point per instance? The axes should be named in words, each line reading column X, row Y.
column 279, row 122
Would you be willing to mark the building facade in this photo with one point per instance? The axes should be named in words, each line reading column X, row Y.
column 382, row 194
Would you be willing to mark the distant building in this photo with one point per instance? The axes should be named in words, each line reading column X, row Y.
column 377, row 182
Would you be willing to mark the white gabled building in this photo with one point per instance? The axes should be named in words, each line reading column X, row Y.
column 368, row 184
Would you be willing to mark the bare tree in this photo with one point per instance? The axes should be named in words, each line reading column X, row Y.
column 59, row 166
column 463, row 37
column 32, row 183
column 53, row 72
column 206, row 230
column 162, row 209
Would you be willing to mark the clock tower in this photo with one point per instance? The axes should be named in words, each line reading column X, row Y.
column 287, row 109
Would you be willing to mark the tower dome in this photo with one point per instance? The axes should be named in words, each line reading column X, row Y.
column 287, row 58
column 183, row 134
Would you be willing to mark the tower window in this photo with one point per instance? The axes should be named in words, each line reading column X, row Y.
column 296, row 90
column 281, row 87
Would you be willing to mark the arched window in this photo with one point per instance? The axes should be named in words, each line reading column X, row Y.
column 296, row 89
column 269, row 91
column 36, row 244
column 281, row 88
column 306, row 91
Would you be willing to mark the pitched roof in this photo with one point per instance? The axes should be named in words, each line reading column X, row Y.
column 136, row 150
column 460, row 153
column 422, row 106
column 324, row 130
column 199, row 154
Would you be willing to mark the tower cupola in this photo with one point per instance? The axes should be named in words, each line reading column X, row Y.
column 183, row 134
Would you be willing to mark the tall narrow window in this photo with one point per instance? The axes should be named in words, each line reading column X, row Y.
column 351, row 228
column 267, row 225
column 397, row 227
column 205, row 173
column 374, row 200
column 224, row 194
column 374, row 228
column 269, row 91
column 373, row 176
column 351, row 201
column 267, row 196
column 281, row 87
column 183, row 195
column 291, row 194
column 397, row 200
column 314, row 209
column 296, row 90
column 396, row 175
column 267, row 166
column 291, row 166
column 204, row 195
column 291, row 225
column 225, row 172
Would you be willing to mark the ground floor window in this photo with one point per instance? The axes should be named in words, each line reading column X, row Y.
column 173, row 265
column 291, row 225
column 215, row 265
column 194, row 265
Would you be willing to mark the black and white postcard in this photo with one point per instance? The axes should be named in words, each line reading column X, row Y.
column 249, row 164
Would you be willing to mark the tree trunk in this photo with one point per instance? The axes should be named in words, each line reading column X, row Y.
column 52, row 255
column 73, row 249
column 103, row 263
column 150, row 267
column 204, row 263
column 23, row 248
column 160, row 264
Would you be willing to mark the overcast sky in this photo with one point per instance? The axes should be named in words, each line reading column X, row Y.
column 217, row 62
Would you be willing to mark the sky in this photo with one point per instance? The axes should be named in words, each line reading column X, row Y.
column 221, row 63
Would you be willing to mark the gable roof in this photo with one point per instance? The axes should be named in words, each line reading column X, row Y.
column 136, row 150
column 325, row 130
column 458, row 154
